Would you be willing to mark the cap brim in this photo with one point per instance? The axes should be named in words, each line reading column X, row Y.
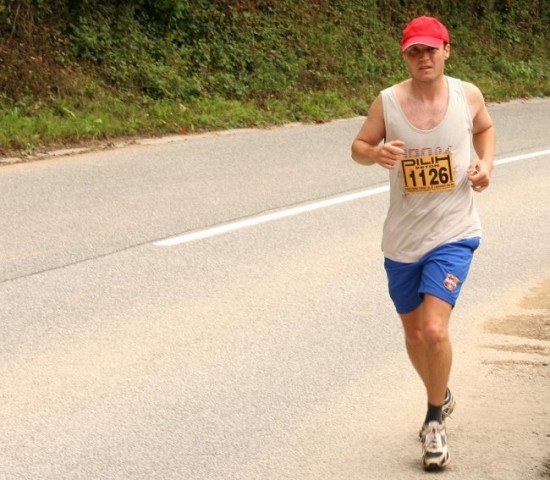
column 429, row 41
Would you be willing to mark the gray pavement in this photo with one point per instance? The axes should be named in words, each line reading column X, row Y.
column 271, row 352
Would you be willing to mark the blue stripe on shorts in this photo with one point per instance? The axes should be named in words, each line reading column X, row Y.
column 441, row 273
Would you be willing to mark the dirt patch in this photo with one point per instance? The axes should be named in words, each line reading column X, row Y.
column 533, row 322
column 537, row 349
column 517, row 352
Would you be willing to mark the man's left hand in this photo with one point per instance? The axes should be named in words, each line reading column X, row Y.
column 479, row 175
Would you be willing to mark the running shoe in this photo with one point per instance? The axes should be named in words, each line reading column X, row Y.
column 448, row 408
column 435, row 454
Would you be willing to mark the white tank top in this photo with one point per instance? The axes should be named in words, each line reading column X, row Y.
column 419, row 222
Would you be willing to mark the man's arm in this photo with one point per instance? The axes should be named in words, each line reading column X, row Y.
column 366, row 149
column 483, row 138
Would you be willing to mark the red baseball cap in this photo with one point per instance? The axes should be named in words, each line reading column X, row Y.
column 425, row 31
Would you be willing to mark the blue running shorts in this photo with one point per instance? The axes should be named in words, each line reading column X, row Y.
column 441, row 273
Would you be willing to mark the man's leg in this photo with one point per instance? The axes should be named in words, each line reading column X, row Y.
column 426, row 328
column 429, row 348
column 438, row 350
column 414, row 341
column 428, row 345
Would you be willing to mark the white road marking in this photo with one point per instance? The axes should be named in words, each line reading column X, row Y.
column 297, row 210
column 525, row 156
column 267, row 217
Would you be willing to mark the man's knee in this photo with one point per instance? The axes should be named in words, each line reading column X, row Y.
column 435, row 333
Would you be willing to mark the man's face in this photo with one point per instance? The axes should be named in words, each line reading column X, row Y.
column 426, row 63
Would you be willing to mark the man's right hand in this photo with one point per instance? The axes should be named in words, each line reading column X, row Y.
column 389, row 153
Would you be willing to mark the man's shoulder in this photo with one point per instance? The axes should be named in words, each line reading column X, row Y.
column 469, row 88
column 473, row 96
column 472, row 92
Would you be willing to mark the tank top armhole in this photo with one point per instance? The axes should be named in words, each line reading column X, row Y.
column 386, row 99
column 457, row 83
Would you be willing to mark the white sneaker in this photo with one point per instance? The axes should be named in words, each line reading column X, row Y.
column 435, row 454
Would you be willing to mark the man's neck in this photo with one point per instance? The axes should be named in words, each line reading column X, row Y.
column 428, row 91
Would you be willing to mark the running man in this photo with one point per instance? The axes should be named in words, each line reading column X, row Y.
column 421, row 130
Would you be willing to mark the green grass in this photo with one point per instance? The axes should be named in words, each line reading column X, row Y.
column 25, row 131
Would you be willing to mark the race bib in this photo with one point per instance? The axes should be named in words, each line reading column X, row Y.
column 428, row 174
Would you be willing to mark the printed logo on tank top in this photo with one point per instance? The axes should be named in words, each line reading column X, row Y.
column 427, row 170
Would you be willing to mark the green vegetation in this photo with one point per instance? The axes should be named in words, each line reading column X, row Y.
column 77, row 71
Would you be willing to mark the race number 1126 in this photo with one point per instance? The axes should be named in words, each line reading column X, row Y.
column 431, row 173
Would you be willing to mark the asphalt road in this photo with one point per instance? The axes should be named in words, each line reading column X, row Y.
column 267, row 352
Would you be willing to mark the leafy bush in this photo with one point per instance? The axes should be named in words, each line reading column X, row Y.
column 263, row 60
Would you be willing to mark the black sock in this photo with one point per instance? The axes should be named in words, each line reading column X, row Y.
column 435, row 414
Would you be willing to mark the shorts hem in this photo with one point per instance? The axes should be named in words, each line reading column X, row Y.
column 439, row 294
column 404, row 311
